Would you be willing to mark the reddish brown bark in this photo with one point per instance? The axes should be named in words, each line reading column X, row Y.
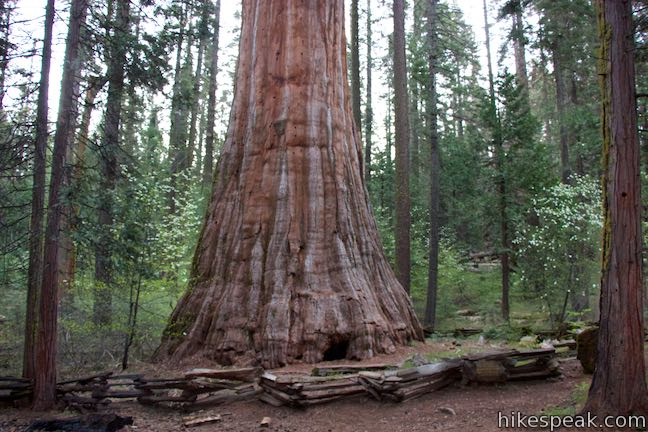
column 208, row 170
column 401, row 131
column 355, row 65
column 619, row 383
column 368, row 121
column 45, row 363
column 289, row 265
column 35, row 268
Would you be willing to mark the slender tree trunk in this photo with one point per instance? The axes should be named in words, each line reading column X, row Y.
column 135, row 290
column 199, row 162
column 402, row 195
column 289, row 264
column 5, row 23
column 35, row 266
column 68, row 261
column 519, row 43
column 435, row 168
column 368, row 103
column 460, row 104
column 45, row 364
column 416, row 128
column 110, row 167
column 177, row 131
column 355, row 66
column 619, row 382
column 208, row 171
column 545, row 95
column 501, row 178
column 195, row 103
column 561, row 107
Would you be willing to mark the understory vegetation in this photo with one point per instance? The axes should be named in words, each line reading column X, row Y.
column 519, row 165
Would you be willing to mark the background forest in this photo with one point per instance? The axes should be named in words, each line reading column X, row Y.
column 503, row 163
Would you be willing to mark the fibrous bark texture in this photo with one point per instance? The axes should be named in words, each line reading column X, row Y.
column 35, row 268
column 289, row 265
column 401, row 132
column 45, row 362
column 619, row 382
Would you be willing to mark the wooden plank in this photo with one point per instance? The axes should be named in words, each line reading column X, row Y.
column 491, row 355
column 347, row 369
column 81, row 388
column 534, row 353
column 329, row 385
column 165, row 385
column 127, row 394
column 285, row 398
column 85, row 380
column 16, row 386
column 319, row 394
column 199, row 421
column 241, row 374
column 14, row 379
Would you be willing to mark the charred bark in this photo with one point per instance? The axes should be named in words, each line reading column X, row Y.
column 289, row 265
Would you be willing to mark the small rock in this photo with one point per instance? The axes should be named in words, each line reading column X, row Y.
column 265, row 422
column 447, row 410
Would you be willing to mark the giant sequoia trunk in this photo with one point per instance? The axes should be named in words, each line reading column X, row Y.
column 289, row 265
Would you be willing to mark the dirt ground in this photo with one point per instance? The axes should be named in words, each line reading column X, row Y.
column 475, row 408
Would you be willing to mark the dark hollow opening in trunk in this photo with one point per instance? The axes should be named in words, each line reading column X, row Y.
column 337, row 350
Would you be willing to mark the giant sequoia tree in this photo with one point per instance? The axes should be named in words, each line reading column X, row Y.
column 289, row 265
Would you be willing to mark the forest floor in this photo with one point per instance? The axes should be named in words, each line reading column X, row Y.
column 453, row 409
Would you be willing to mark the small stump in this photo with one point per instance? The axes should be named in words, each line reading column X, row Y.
column 587, row 349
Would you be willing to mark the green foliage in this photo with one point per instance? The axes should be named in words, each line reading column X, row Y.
column 558, row 247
